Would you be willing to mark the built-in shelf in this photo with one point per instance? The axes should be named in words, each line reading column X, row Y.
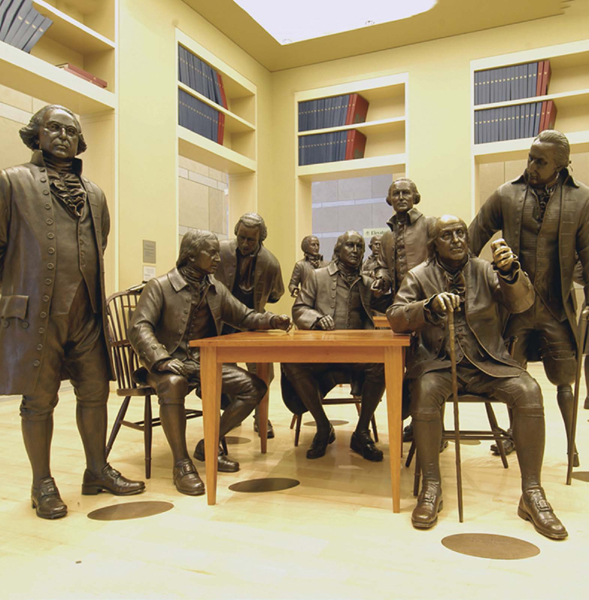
column 37, row 78
column 205, row 151
column 391, row 126
column 362, row 167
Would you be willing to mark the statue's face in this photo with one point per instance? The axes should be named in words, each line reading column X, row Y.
column 248, row 239
column 207, row 259
column 313, row 246
column 58, row 134
column 401, row 197
column 375, row 246
column 542, row 166
column 451, row 241
column 352, row 251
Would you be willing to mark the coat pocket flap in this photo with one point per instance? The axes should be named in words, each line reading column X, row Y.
column 14, row 306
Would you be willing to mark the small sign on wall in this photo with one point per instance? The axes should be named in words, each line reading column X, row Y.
column 148, row 272
column 149, row 252
column 374, row 231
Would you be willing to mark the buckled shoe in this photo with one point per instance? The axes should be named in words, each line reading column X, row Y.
column 320, row 443
column 429, row 504
column 224, row 463
column 534, row 507
column 187, row 479
column 46, row 501
column 110, row 480
column 363, row 444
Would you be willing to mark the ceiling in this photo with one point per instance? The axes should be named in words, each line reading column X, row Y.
column 447, row 18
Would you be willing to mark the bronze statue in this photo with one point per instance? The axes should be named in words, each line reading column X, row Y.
column 405, row 245
column 544, row 217
column 251, row 273
column 188, row 303
column 312, row 260
column 338, row 296
column 370, row 265
column 470, row 288
column 54, row 225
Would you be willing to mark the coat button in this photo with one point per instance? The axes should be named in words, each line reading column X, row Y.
column 41, row 170
column 43, row 180
column 41, row 330
column 49, row 221
column 25, row 324
column 47, row 206
column 5, row 323
column 48, row 281
column 50, row 250
column 153, row 347
column 50, row 235
column 36, row 363
column 46, row 192
column 43, row 315
column 45, row 298
column 39, row 347
column 50, row 266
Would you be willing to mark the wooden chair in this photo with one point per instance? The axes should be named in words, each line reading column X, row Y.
column 119, row 309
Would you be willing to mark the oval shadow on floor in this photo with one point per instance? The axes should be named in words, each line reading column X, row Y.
column 266, row 484
column 235, row 439
column 486, row 545
column 130, row 510
column 581, row 476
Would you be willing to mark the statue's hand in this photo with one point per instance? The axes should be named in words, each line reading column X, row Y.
column 295, row 292
column 326, row 322
column 380, row 286
column 173, row 366
column 503, row 256
column 281, row 322
column 445, row 302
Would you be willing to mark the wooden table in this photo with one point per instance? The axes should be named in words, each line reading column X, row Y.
column 264, row 347
column 381, row 322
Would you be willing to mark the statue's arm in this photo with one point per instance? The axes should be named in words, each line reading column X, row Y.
column 582, row 244
column 486, row 223
column 277, row 286
column 410, row 312
column 295, row 279
column 514, row 290
column 238, row 315
column 304, row 311
column 5, row 194
column 142, row 326
column 105, row 222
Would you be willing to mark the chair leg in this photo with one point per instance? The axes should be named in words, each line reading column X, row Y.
column 358, row 404
column 410, row 455
column 117, row 425
column 147, row 435
column 496, row 433
column 299, row 419
column 293, row 421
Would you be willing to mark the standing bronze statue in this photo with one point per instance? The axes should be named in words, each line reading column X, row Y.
column 371, row 265
column 544, row 218
column 312, row 260
column 188, row 303
column 251, row 273
column 405, row 245
column 470, row 288
column 54, row 225
column 339, row 297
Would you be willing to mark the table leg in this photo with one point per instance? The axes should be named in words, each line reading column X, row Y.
column 393, row 366
column 211, row 376
column 262, row 371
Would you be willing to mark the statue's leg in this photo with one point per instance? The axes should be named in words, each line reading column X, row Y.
column 305, row 384
column 372, row 391
column 428, row 394
column 586, row 404
column 252, row 368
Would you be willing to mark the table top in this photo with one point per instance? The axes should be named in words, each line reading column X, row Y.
column 301, row 338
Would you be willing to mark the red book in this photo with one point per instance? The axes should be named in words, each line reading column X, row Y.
column 83, row 74
column 539, row 78
column 550, row 119
column 221, row 128
column 357, row 109
column 355, row 145
column 543, row 117
column 546, row 77
column 222, row 90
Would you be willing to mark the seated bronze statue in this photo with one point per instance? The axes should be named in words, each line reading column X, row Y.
column 188, row 303
column 472, row 289
column 338, row 297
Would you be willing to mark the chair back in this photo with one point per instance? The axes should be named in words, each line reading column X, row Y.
column 119, row 308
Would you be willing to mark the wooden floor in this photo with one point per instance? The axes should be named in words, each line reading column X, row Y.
column 333, row 536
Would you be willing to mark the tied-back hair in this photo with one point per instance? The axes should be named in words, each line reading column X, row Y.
column 414, row 190
column 192, row 242
column 305, row 241
column 29, row 134
column 560, row 142
column 342, row 239
column 253, row 220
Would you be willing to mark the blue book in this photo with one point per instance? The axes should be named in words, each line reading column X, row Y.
column 9, row 17
column 532, row 79
column 37, row 33
column 18, row 21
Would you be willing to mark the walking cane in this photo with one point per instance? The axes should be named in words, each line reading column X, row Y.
column 580, row 348
column 452, row 343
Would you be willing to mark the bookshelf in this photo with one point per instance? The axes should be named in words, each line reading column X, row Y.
column 384, row 128
column 568, row 88
column 237, row 154
column 83, row 33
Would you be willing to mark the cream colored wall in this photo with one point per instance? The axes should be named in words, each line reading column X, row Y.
column 438, row 113
column 148, row 161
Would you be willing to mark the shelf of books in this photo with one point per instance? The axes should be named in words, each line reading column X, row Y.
column 516, row 96
column 50, row 50
column 352, row 130
column 216, row 110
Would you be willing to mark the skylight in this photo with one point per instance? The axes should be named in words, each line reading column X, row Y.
column 290, row 21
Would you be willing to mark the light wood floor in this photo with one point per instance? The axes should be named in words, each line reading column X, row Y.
column 333, row 536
